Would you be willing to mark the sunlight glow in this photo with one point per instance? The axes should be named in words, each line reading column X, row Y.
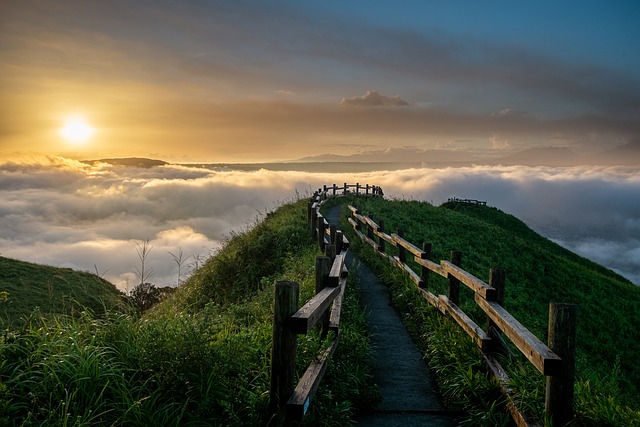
column 76, row 130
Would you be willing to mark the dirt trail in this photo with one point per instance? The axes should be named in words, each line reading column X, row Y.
column 406, row 384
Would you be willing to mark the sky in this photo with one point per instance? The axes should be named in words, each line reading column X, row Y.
column 256, row 81
column 198, row 81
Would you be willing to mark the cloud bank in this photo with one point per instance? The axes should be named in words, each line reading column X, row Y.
column 65, row 213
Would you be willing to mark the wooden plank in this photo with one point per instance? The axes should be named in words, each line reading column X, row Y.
column 337, row 270
column 431, row 298
column 336, row 308
column 352, row 208
column 399, row 241
column 304, row 392
column 501, row 376
column 471, row 281
column 436, row 268
column 371, row 242
column 371, row 223
column 353, row 223
column 307, row 316
column 477, row 334
column 540, row 356
column 415, row 278
column 384, row 236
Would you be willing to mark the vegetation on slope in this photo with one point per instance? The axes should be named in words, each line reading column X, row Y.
column 201, row 357
column 51, row 290
column 538, row 272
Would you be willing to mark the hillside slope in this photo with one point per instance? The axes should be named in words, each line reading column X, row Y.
column 51, row 290
column 538, row 272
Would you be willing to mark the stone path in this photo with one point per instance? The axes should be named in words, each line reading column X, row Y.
column 406, row 384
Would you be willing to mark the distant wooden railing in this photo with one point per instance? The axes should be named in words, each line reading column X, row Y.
column 467, row 201
column 324, row 308
column 556, row 361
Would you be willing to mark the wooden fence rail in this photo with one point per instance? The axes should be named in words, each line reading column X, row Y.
column 556, row 361
column 324, row 308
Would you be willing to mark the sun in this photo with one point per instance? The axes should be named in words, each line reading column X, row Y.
column 76, row 130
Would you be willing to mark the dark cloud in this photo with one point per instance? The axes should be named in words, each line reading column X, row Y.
column 373, row 99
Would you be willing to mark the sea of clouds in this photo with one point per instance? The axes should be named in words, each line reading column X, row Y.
column 66, row 213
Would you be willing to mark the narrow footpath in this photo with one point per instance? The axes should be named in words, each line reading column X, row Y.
column 406, row 384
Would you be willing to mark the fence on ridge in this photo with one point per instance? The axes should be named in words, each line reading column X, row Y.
column 324, row 308
column 556, row 361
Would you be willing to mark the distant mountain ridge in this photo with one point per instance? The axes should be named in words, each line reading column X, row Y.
column 399, row 154
column 395, row 158
column 628, row 154
column 138, row 162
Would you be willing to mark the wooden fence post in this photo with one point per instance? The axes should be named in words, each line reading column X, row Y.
column 424, row 272
column 497, row 281
column 332, row 233
column 330, row 251
column 402, row 252
column 357, row 188
column 334, row 188
column 314, row 222
column 454, row 284
column 381, row 242
column 323, row 268
column 339, row 241
column 321, row 232
column 369, row 228
column 366, row 191
column 562, row 341
column 283, row 349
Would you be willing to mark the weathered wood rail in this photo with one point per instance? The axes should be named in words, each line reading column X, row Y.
column 324, row 309
column 556, row 361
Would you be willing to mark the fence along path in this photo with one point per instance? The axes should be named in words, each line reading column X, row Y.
column 556, row 361
column 324, row 308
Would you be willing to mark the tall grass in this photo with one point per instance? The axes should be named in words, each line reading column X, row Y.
column 538, row 272
column 202, row 357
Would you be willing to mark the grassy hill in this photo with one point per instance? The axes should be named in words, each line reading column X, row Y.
column 51, row 290
column 201, row 357
column 538, row 272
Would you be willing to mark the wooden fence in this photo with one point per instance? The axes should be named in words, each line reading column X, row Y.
column 556, row 361
column 467, row 201
column 324, row 308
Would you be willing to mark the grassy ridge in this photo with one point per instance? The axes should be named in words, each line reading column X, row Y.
column 199, row 358
column 537, row 272
column 51, row 290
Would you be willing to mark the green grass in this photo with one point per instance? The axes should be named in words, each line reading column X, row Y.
column 537, row 272
column 201, row 357
column 51, row 290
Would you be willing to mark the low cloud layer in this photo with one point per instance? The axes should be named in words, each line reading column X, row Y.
column 65, row 213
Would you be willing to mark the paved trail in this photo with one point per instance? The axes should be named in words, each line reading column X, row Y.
column 406, row 385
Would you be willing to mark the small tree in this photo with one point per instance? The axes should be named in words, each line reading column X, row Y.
column 145, row 295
